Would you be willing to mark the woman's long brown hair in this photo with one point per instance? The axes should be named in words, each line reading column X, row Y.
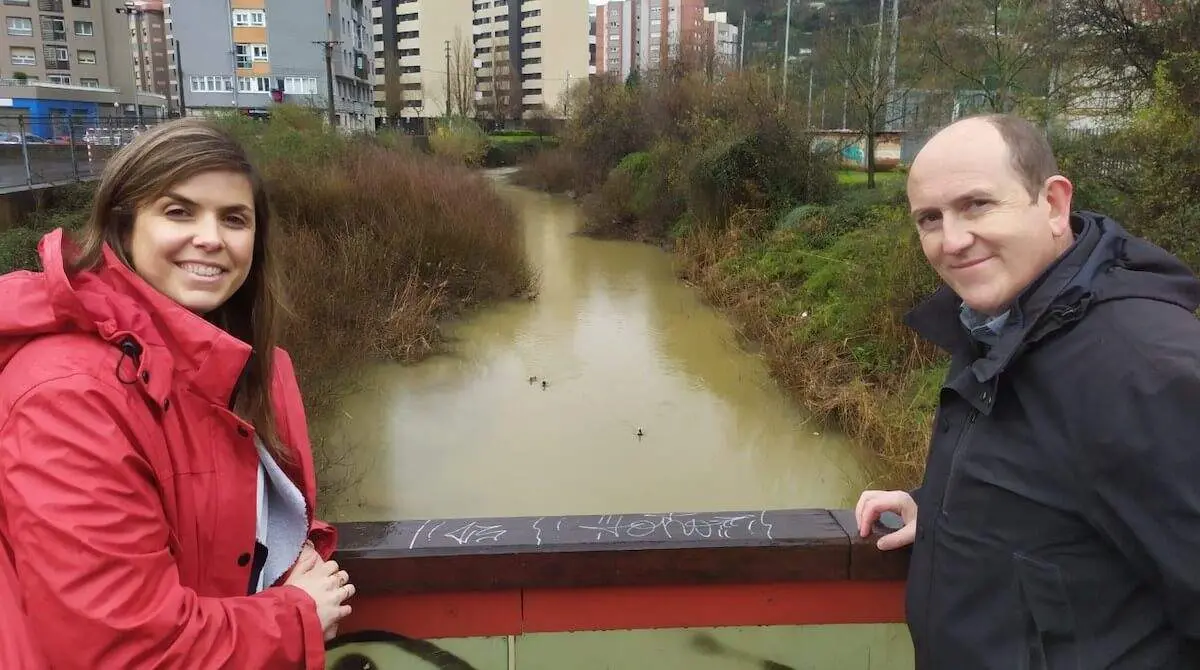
column 145, row 170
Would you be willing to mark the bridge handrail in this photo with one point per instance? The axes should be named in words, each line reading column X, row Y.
column 427, row 556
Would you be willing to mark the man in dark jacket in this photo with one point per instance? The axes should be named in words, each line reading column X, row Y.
column 1059, row 522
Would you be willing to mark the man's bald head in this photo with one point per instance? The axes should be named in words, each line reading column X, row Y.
column 990, row 207
column 1029, row 152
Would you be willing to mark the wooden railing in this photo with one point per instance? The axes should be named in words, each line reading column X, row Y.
column 456, row 578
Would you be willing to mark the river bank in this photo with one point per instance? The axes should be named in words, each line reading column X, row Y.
column 816, row 270
column 619, row 389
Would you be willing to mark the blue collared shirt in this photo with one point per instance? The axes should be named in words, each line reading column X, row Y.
column 983, row 328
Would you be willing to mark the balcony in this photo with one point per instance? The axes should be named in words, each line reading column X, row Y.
column 779, row 589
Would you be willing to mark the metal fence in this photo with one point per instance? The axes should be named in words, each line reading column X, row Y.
column 47, row 150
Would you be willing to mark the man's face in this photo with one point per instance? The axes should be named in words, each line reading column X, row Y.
column 981, row 230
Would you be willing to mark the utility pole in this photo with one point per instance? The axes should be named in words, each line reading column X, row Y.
column 135, row 12
column 179, row 76
column 330, row 109
column 742, row 35
column 875, row 62
column 787, row 33
column 811, row 70
column 447, row 78
column 893, row 111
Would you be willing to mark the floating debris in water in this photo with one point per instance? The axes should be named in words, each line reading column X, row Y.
column 533, row 379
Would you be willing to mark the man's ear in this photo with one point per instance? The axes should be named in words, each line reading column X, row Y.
column 1058, row 198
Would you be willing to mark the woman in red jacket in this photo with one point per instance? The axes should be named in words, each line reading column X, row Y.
column 156, row 480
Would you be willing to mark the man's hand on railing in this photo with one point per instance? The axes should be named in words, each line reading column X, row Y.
column 872, row 504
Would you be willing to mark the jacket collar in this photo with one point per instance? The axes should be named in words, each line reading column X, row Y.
column 115, row 302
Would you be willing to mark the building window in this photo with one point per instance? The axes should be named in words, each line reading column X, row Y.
column 89, row 82
column 81, row 3
column 86, row 57
column 300, row 85
column 249, row 18
column 19, row 26
column 242, row 53
column 17, row 3
column 85, row 28
column 22, row 55
column 254, row 84
column 59, row 79
column 259, row 52
column 211, row 84
column 56, row 57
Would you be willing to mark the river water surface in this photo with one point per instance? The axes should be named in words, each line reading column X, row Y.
column 623, row 346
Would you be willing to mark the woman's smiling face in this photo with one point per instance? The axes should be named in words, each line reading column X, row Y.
column 195, row 244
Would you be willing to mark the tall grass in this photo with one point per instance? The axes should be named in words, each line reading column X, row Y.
column 828, row 317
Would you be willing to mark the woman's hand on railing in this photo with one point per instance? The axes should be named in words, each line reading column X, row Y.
column 872, row 504
column 326, row 584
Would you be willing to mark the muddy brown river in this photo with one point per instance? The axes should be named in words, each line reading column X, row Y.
column 623, row 347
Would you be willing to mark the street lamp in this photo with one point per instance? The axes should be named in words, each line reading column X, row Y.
column 132, row 9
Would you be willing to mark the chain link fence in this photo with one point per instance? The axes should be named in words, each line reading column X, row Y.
column 48, row 150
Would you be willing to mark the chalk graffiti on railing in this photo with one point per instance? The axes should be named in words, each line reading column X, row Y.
column 568, row 530
column 676, row 525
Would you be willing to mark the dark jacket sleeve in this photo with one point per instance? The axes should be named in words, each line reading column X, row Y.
column 1141, row 465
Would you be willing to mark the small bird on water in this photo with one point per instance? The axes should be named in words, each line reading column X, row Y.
column 545, row 384
column 532, row 379
column 640, row 433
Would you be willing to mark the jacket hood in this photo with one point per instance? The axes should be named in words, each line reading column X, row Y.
column 1104, row 263
column 117, row 305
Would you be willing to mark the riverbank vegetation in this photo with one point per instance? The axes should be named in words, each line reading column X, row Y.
column 379, row 243
column 819, row 265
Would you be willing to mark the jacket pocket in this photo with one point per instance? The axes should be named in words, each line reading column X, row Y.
column 1047, row 616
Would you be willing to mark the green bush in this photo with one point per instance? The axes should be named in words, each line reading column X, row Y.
column 509, row 150
column 459, row 139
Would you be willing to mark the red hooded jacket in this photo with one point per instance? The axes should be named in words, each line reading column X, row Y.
column 127, row 488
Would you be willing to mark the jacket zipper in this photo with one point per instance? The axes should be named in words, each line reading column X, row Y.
column 960, row 445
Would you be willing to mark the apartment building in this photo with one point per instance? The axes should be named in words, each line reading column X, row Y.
column 647, row 34
column 70, row 59
column 248, row 54
column 417, row 45
column 146, row 35
column 493, row 59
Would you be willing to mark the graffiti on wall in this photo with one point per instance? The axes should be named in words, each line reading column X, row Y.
column 852, row 148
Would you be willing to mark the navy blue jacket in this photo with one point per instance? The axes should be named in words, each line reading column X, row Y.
column 1059, row 517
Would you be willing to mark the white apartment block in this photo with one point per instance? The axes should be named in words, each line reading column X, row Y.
column 500, row 59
